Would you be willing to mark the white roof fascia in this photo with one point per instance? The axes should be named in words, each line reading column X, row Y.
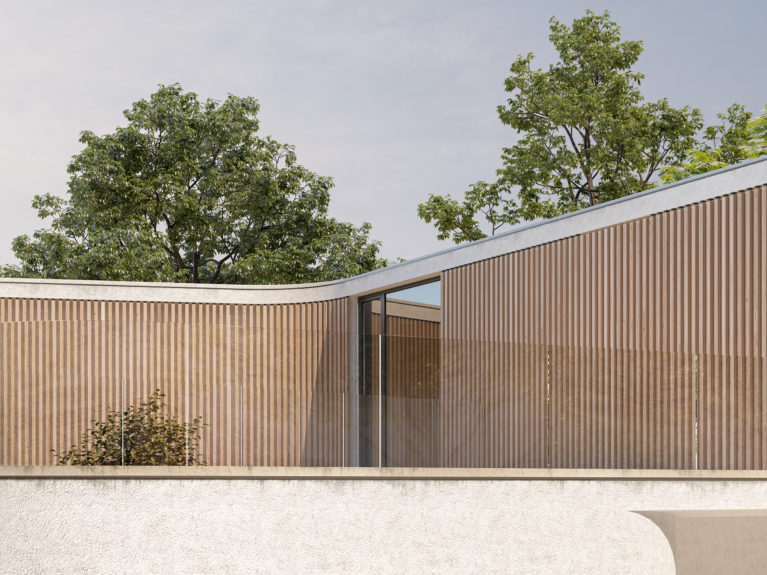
column 693, row 190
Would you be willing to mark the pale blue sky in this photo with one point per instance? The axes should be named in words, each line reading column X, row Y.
column 394, row 100
column 425, row 293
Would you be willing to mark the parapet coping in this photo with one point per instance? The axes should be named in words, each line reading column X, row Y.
column 374, row 473
column 695, row 189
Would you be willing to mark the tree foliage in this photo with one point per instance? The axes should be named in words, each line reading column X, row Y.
column 587, row 135
column 149, row 435
column 188, row 192
column 737, row 137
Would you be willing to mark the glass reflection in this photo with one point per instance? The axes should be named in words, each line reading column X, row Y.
column 400, row 378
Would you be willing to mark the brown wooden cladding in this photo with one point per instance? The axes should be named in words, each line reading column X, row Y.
column 641, row 345
column 282, row 368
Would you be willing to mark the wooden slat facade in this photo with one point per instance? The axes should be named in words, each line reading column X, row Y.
column 640, row 345
column 282, row 369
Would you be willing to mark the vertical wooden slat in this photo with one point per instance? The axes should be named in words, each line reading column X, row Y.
column 657, row 327
column 61, row 363
column 640, row 345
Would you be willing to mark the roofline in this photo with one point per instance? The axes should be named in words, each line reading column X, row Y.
column 539, row 223
column 689, row 191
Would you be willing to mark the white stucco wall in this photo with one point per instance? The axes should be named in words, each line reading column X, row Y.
column 348, row 525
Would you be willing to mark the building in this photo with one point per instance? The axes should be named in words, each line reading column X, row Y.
column 629, row 335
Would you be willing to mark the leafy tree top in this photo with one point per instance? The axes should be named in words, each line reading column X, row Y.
column 188, row 192
column 739, row 136
column 586, row 134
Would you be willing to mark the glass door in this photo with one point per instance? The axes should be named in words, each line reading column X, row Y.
column 400, row 378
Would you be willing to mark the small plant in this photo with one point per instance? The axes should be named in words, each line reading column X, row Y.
column 143, row 435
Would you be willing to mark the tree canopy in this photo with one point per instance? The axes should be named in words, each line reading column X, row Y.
column 586, row 135
column 188, row 192
column 739, row 136
column 140, row 435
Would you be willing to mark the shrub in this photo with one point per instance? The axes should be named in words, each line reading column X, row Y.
column 143, row 435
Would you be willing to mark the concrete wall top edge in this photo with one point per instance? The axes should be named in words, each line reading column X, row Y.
column 373, row 473
column 663, row 198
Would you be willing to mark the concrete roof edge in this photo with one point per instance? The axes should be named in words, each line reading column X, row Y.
column 697, row 188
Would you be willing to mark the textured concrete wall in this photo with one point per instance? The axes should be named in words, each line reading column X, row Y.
column 347, row 525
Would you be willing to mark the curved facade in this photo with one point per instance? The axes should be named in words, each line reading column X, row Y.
column 276, row 373
column 631, row 335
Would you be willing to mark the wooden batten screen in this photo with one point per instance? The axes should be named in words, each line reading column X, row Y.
column 640, row 345
column 269, row 381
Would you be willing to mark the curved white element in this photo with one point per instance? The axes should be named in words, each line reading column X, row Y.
column 690, row 191
column 713, row 541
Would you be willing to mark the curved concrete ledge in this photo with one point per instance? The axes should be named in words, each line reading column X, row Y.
column 663, row 198
column 709, row 542
column 374, row 473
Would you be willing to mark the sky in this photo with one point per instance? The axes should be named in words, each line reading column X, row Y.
column 394, row 100
column 424, row 293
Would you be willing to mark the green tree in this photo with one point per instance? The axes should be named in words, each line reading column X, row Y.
column 143, row 435
column 586, row 135
column 188, row 192
column 737, row 137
